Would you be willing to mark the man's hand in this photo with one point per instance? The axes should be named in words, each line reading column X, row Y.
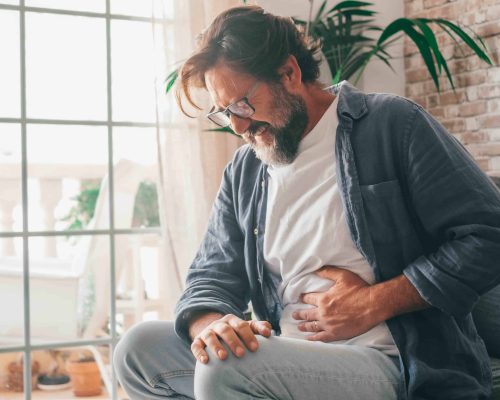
column 234, row 331
column 342, row 312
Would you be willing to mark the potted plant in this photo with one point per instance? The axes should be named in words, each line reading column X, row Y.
column 85, row 375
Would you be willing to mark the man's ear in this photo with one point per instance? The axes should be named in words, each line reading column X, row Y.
column 291, row 75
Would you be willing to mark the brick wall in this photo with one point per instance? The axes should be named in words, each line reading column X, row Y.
column 472, row 113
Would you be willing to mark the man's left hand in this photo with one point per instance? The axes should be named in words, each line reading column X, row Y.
column 342, row 312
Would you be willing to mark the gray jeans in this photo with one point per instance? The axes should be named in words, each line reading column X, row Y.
column 153, row 363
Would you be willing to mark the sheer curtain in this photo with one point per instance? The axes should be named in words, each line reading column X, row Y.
column 191, row 159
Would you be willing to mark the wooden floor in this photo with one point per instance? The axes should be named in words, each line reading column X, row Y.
column 58, row 395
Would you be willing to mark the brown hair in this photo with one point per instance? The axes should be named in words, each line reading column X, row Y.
column 251, row 41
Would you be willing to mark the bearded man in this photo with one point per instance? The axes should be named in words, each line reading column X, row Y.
column 361, row 232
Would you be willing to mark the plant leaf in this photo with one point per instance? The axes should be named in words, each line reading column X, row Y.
column 171, row 79
column 349, row 4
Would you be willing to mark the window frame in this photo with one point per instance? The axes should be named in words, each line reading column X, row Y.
column 111, row 232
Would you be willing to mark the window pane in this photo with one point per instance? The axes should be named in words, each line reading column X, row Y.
column 78, row 5
column 66, row 167
column 141, row 294
column 66, row 67
column 11, row 217
column 69, row 293
column 161, row 8
column 10, row 95
column 11, row 297
column 13, row 2
column 132, row 71
column 136, row 174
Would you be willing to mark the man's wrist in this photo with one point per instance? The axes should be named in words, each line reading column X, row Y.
column 395, row 297
column 200, row 320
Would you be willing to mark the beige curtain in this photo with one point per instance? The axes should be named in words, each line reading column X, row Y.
column 191, row 159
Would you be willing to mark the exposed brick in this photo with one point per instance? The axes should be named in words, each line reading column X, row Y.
column 432, row 101
column 417, row 75
column 494, row 135
column 488, row 91
column 474, row 137
column 433, row 3
column 452, row 98
column 452, row 111
column 483, row 162
column 494, row 163
column 471, row 93
column 488, row 29
column 493, row 106
column 484, row 149
column 472, row 109
column 490, row 121
column 437, row 112
column 494, row 74
column 470, row 79
column 454, row 125
column 471, row 124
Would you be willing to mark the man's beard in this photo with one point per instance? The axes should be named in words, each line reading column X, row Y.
column 291, row 115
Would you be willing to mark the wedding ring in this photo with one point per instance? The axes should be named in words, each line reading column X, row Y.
column 316, row 327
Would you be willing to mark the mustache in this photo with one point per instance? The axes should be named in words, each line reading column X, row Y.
column 256, row 128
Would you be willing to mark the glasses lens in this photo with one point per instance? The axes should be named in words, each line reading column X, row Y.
column 241, row 109
column 220, row 119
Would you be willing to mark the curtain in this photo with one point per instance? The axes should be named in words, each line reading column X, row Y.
column 191, row 159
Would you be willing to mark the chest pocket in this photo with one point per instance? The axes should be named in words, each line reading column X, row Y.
column 385, row 211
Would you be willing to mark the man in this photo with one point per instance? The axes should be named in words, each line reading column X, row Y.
column 369, row 187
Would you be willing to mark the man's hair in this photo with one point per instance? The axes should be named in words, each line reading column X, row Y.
column 250, row 41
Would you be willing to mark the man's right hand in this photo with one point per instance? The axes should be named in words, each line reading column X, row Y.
column 209, row 329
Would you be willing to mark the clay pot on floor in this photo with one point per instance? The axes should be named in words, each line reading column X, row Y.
column 85, row 378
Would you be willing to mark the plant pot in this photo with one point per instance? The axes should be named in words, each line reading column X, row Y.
column 85, row 378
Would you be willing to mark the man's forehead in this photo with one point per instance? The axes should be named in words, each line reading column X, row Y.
column 226, row 85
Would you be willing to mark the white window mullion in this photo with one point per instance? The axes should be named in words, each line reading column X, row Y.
column 24, row 183
column 112, row 311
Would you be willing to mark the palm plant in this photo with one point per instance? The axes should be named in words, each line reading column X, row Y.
column 346, row 32
column 342, row 31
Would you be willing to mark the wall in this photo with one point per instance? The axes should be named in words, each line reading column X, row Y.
column 472, row 113
column 377, row 77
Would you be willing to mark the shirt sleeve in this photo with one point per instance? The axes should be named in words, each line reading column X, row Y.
column 459, row 206
column 216, row 279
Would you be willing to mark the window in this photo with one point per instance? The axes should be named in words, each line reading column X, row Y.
column 79, row 214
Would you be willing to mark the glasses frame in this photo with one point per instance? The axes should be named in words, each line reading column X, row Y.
column 227, row 111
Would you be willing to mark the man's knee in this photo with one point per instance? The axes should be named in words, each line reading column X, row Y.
column 137, row 342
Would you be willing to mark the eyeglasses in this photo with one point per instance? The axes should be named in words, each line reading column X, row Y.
column 240, row 108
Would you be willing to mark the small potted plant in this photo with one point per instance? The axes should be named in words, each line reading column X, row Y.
column 85, row 375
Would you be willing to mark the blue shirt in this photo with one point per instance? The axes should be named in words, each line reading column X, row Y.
column 416, row 204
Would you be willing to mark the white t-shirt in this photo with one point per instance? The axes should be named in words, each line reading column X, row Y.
column 306, row 229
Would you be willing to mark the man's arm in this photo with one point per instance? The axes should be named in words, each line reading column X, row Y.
column 351, row 306
column 216, row 280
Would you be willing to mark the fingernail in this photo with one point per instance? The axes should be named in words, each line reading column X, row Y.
column 253, row 346
column 221, row 353
column 295, row 314
column 239, row 351
column 203, row 359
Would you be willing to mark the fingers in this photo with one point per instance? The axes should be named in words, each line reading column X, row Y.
column 232, row 331
column 322, row 336
column 310, row 314
column 245, row 332
column 310, row 326
column 262, row 328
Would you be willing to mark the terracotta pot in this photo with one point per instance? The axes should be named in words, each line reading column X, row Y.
column 85, row 378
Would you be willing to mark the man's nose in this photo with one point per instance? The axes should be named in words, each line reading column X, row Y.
column 239, row 125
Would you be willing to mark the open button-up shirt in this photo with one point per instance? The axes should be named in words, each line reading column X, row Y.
column 416, row 204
